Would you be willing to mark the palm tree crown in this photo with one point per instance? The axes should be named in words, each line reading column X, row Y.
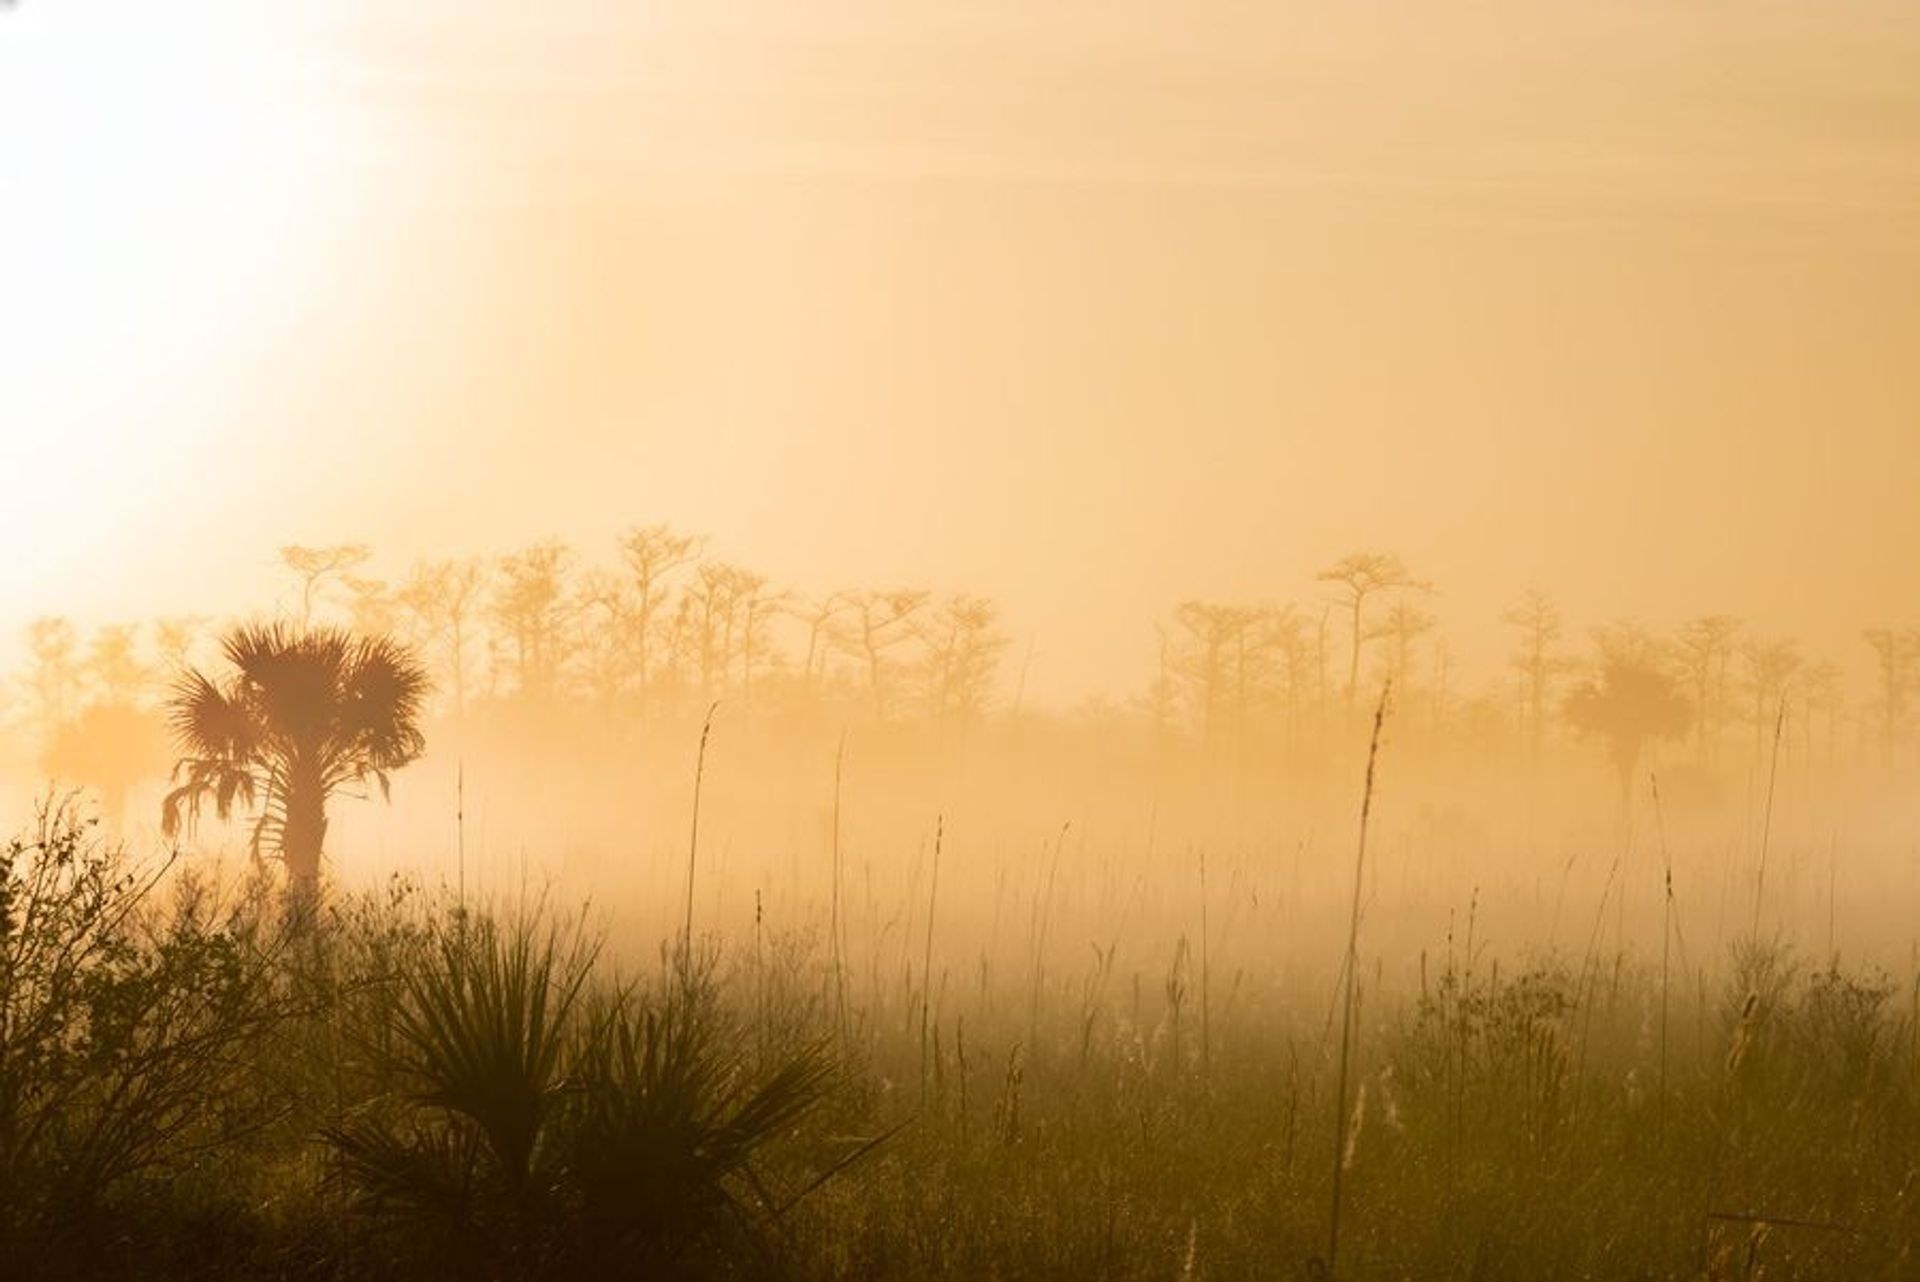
column 305, row 713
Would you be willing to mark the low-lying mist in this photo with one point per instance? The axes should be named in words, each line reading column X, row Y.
column 1547, row 810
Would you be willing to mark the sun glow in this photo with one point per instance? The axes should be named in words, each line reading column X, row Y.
column 167, row 186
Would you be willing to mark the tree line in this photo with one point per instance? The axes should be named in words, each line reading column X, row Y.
column 662, row 628
column 659, row 629
column 1239, row 677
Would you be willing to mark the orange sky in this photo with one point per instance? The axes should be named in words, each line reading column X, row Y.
column 1092, row 306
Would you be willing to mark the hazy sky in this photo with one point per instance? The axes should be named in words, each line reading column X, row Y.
column 1090, row 306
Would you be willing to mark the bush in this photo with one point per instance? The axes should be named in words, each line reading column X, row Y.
column 539, row 1133
column 126, row 1034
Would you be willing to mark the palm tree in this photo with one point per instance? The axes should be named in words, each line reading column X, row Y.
column 1630, row 700
column 306, row 713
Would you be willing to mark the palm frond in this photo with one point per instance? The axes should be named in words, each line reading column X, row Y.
column 486, row 1025
column 667, row 1127
column 383, row 693
column 202, row 778
column 207, row 722
column 606, row 1141
column 296, row 680
column 423, row 1184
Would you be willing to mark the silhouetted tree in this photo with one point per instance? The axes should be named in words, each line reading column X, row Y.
column 1629, row 700
column 1363, row 575
column 757, row 608
column 1537, row 659
column 313, row 564
column 1404, row 625
column 373, row 610
column 442, row 598
column 54, row 644
column 818, row 616
column 964, row 646
column 1896, row 658
column 113, row 664
column 1769, row 665
column 708, row 608
column 606, row 606
column 532, row 606
column 1825, row 702
column 1703, row 649
column 880, row 622
column 303, row 715
column 652, row 553
column 1213, row 659
column 1283, row 634
column 174, row 639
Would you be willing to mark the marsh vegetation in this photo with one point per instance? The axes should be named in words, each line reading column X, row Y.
column 820, row 954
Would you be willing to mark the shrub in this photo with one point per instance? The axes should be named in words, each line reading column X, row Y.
column 125, row 1034
column 539, row 1132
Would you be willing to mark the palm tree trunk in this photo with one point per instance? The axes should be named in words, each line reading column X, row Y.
column 305, row 835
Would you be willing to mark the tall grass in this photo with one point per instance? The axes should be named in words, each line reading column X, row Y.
column 926, row 963
column 1766, row 822
column 1351, row 981
column 412, row 1087
column 693, row 838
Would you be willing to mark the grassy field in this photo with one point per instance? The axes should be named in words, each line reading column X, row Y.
column 204, row 1081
